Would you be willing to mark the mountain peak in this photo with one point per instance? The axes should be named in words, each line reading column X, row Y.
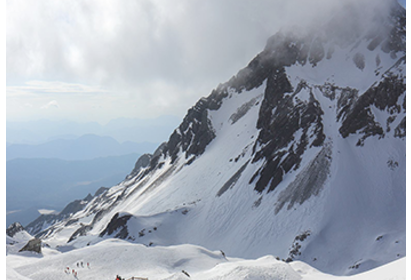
column 14, row 228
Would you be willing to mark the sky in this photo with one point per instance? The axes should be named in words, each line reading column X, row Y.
column 97, row 60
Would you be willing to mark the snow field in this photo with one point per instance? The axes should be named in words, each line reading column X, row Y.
column 115, row 257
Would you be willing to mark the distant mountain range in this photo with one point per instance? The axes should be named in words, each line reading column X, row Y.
column 122, row 129
column 51, row 174
column 34, row 184
column 86, row 147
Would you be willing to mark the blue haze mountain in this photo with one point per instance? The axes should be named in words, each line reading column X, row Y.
column 34, row 184
column 121, row 129
column 86, row 147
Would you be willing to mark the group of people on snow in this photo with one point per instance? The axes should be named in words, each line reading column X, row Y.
column 73, row 271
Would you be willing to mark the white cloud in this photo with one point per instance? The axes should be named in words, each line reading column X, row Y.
column 164, row 54
column 54, row 87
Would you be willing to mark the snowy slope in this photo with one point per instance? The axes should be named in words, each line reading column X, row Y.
column 115, row 257
column 301, row 156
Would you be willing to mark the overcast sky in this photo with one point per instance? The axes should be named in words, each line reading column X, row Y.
column 101, row 60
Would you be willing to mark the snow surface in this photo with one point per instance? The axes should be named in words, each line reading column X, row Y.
column 113, row 257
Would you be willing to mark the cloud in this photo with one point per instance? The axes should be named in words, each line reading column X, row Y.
column 52, row 104
column 31, row 88
column 168, row 52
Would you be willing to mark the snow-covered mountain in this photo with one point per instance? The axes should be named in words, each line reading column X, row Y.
column 301, row 156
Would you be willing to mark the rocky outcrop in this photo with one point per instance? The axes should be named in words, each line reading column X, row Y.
column 384, row 96
column 13, row 229
column 196, row 131
column 82, row 231
column 34, row 245
column 282, row 113
column 141, row 163
column 117, row 226
column 281, row 116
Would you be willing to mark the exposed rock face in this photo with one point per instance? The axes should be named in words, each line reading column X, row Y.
column 14, row 228
column 281, row 116
column 384, row 96
column 82, row 231
column 282, row 113
column 34, row 245
column 142, row 162
column 117, row 224
column 195, row 132
column 100, row 191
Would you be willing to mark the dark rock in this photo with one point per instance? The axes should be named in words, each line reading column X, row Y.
column 243, row 109
column 73, row 207
column 400, row 130
column 117, row 224
column 82, row 231
column 280, row 117
column 34, row 245
column 159, row 152
column 295, row 250
column 384, row 96
column 100, row 191
column 14, row 228
column 88, row 198
column 142, row 162
column 196, row 131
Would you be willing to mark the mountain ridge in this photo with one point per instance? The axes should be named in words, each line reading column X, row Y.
column 281, row 159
